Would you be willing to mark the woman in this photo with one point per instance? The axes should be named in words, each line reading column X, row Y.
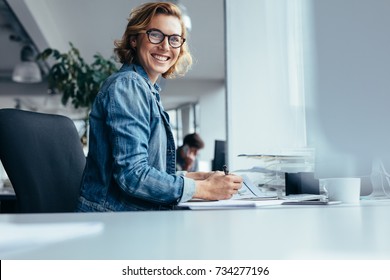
column 131, row 159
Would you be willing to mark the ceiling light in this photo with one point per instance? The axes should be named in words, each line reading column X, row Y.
column 27, row 71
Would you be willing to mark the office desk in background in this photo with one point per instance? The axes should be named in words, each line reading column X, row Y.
column 277, row 232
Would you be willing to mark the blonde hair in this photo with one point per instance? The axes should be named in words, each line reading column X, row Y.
column 140, row 18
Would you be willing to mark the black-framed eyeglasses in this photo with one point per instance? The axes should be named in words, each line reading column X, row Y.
column 155, row 36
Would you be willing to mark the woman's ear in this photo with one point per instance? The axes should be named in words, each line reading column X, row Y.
column 133, row 42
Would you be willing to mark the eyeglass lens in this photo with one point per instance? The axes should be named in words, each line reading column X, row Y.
column 156, row 37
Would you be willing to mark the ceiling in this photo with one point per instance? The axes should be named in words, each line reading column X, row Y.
column 93, row 25
column 10, row 50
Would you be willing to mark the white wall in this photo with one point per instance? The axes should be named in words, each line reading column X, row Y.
column 263, row 115
column 351, row 93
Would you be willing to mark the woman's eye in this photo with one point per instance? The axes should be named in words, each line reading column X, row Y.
column 175, row 39
column 155, row 35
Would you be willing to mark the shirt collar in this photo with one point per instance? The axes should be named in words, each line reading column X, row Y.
column 140, row 70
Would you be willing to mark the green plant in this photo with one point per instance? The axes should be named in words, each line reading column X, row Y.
column 74, row 78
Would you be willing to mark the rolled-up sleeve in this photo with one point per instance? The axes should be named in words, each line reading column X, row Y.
column 189, row 187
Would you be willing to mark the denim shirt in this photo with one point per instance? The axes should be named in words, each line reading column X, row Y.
column 131, row 159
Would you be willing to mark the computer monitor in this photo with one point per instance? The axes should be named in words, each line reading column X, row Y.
column 219, row 155
column 348, row 105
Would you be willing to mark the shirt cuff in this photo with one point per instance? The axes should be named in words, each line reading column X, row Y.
column 181, row 173
column 188, row 189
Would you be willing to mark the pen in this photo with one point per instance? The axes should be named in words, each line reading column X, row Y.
column 225, row 169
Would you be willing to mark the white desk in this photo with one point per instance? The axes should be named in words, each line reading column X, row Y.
column 278, row 232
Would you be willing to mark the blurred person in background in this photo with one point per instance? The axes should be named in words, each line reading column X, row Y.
column 186, row 155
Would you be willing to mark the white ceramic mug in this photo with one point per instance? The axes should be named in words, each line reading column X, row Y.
column 346, row 190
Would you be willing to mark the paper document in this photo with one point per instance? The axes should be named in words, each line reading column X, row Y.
column 248, row 196
column 250, row 191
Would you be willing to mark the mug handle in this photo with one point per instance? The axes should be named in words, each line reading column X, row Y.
column 324, row 191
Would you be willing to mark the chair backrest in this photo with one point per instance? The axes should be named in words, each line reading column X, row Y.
column 44, row 160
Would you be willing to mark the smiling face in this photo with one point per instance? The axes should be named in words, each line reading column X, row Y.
column 156, row 59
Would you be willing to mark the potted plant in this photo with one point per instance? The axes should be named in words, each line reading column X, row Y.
column 77, row 81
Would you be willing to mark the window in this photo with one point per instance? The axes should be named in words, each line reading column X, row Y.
column 265, row 78
column 184, row 120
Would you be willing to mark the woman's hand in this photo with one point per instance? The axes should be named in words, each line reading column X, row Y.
column 217, row 185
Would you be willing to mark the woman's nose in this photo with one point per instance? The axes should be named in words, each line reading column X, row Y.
column 165, row 43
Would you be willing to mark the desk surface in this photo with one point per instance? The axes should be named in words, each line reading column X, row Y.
column 278, row 232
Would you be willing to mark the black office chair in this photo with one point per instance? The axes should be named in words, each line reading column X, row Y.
column 43, row 157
